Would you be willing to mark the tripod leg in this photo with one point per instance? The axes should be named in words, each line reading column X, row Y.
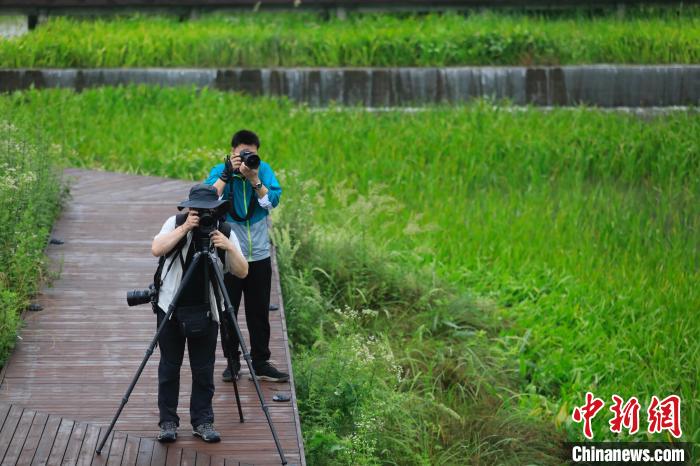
column 225, row 336
column 238, row 399
column 231, row 317
column 149, row 352
column 225, row 340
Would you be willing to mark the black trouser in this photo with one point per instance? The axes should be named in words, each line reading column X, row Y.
column 255, row 288
column 202, row 351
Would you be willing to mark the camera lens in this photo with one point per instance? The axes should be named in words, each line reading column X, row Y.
column 136, row 297
column 253, row 162
column 250, row 159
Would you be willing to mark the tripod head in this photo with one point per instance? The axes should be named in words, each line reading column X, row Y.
column 203, row 244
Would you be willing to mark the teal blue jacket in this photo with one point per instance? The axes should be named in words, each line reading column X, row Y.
column 242, row 191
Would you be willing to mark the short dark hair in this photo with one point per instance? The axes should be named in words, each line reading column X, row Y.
column 245, row 136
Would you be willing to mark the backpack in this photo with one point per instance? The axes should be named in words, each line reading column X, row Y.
column 158, row 276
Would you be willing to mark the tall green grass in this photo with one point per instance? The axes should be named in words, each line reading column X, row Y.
column 30, row 196
column 581, row 225
column 647, row 36
column 392, row 366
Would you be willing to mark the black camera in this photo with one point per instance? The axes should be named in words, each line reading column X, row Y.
column 208, row 221
column 136, row 297
column 250, row 159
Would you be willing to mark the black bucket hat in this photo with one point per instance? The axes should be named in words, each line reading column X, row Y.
column 204, row 196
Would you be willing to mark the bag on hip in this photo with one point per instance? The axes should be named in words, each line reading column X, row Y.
column 193, row 321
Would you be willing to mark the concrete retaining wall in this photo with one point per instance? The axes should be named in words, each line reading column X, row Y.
column 597, row 85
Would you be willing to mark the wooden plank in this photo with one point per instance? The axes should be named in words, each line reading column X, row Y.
column 4, row 410
column 145, row 452
column 131, row 451
column 116, row 449
column 202, row 459
column 41, row 454
column 101, row 459
column 160, row 453
column 218, row 461
column 61, row 442
column 8, row 428
column 189, row 457
column 35, row 433
column 87, row 450
column 19, row 438
column 75, row 443
column 174, row 456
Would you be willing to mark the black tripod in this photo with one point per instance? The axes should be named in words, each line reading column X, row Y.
column 204, row 253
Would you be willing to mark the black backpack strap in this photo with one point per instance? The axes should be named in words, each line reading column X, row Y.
column 225, row 228
column 180, row 219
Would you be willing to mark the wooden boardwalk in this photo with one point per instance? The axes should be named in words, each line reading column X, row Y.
column 68, row 373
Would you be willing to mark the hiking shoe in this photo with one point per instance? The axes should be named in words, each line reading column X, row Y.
column 228, row 375
column 267, row 371
column 168, row 432
column 206, row 432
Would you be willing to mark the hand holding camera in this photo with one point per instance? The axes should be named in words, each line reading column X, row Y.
column 220, row 241
column 192, row 221
column 245, row 163
column 250, row 162
column 230, row 167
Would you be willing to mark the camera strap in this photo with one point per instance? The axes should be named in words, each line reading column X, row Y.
column 251, row 205
column 179, row 255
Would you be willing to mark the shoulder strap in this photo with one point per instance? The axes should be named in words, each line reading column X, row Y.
column 180, row 219
column 225, row 229
column 158, row 278
column 251, row 205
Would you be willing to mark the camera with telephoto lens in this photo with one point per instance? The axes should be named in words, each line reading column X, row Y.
column 136, row 297
column 250, row 159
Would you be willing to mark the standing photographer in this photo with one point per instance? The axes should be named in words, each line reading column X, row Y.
column 251, row 187
column 195, row 318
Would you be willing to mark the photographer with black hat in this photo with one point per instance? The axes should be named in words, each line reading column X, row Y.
column 194, row 309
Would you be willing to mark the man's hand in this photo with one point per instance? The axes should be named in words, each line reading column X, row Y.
column 250, row 174
column 220, row 241
column 230, row 167
column 192, row 221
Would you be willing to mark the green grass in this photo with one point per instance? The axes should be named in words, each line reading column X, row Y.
column 392, row 367
column 29, row 184
column 581, row 226
column 643, row 36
